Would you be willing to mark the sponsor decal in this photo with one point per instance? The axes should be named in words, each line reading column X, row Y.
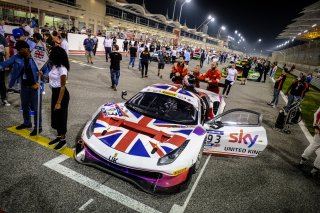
column 177, row 172
column 113, row 158
column 243, row 138
column 169, row 93
column 242, row 150
column 213, row 138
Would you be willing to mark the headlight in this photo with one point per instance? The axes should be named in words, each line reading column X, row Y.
column 91, row 126
column 172, row 156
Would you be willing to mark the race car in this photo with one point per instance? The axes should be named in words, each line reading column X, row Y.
column 156, row 139
column 252, row 75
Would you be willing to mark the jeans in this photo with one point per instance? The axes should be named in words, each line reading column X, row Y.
column 291, row 99
column 108, row 51
column 29, row 100
column 3, row 89
column 115, row 74
column 144, row 68
column 132, row 60
column 275, row 98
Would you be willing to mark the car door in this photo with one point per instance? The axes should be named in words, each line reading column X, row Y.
column 236, row 132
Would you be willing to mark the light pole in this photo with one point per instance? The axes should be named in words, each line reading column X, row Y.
column 174, row 9
column 221, row 28
column 210, row 18
column 186, row 1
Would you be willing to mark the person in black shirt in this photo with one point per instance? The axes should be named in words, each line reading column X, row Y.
column 133, row 54
column 296, row 91
column 115, row 58
column 145, row 59
column 125, row 45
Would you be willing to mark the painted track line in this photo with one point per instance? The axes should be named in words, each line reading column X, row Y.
column 40, row 140
column 55, row 165
column 301, row 123
column 86, row 204
column 179, row 209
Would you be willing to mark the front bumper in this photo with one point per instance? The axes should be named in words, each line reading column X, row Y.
column 150, row 182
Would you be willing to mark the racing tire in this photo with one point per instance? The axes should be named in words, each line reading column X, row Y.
column 197, row 164
column 79, row 152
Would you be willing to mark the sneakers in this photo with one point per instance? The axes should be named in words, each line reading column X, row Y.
column 270, row 104
column 115, row 88
column 55, row 141
column 146, row 76
column 273, row 106
column 5, row 103
column 34, row 131
column 62, row 143
column 112, row 87
column 23, row 126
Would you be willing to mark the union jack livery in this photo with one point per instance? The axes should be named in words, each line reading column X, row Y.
column 156, row 139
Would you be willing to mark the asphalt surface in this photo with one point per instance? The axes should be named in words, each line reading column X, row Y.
column 270, row 182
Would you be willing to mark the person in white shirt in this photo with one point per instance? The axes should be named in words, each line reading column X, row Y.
column 107, row 46
column 313, row 147
column 230, row 79
column 60, row 95
column 2, row 31
column 64, row 43
column 273, row 70
column 173, row 55
column 29, row 29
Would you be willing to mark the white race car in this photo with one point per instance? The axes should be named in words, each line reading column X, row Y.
column 156, row 139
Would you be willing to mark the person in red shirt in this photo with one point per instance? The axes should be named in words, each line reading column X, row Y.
column 196, row 73
column 179, row 70
column 212, row 77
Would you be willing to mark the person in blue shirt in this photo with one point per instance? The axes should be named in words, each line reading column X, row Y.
column 88, row 45
column 25, row 69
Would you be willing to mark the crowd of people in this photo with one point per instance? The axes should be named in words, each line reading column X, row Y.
column 15, row 50
column 26, row 79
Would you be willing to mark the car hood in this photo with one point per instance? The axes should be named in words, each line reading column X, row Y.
column 130, row 132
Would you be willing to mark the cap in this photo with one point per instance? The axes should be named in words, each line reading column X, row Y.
column 17, row 32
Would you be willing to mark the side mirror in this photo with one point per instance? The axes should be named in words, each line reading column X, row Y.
column 216, row 125
column 123, row 94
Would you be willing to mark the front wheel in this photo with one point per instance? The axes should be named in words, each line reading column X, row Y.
column 198, row 162
column 79, row 153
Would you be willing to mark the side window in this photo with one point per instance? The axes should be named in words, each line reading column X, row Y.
column 239, row 117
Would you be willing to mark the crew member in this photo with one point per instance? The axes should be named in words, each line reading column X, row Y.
column 179, row 70
column 212, row 77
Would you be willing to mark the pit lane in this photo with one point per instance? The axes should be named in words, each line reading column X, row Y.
column 270, row 182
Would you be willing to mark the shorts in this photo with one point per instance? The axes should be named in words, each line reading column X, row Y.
column 160, row 66
column 89, row 53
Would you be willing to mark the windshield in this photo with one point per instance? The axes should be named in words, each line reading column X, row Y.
column 163, row 107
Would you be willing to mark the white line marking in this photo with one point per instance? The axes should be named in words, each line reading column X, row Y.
column 301, row 123
column 86, row 204
column 180, row 209
column 92, row 184
column 83, row 64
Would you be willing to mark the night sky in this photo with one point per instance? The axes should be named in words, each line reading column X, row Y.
column 253, row 19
